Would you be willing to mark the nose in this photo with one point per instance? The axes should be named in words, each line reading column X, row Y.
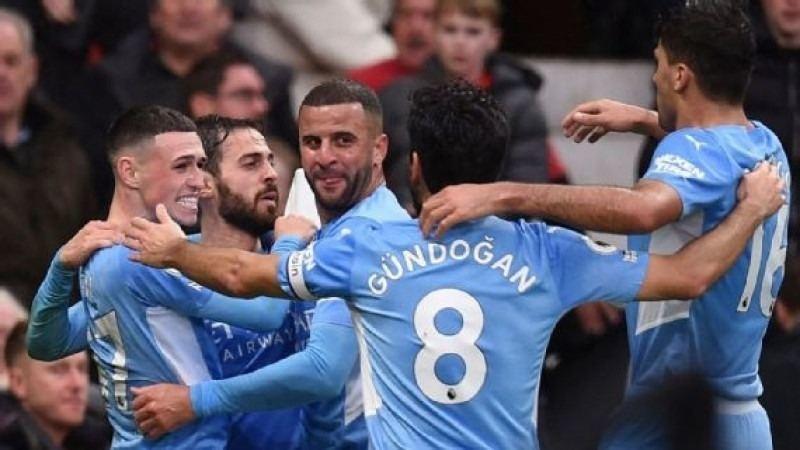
column 196, row 178
column 326, row 154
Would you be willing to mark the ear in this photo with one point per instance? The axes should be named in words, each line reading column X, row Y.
column 681, row 76
column 380, row 149
column 201, row 104
column 16, row 382
column 128, row 172
column 415, row 175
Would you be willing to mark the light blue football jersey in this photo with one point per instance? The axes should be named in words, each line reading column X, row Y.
column 140, row 333
column 452, row 334
column 719, row 334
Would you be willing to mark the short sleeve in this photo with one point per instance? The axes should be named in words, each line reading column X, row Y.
column 692, row 163
column 168, row 288
column 323, row 269
column 584, row 270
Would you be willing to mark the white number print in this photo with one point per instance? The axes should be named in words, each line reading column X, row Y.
column 107, row 328
column 436, row 345
column 775, row 262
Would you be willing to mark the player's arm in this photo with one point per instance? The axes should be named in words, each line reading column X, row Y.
column 645, row 207
column 55, row 329
column 595, row 118
column 690, row 272
column 319, row 372
column 259, row 314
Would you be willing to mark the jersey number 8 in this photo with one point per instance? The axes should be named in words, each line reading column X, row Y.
column 435, row 345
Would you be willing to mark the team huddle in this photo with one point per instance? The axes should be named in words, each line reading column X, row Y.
column 428, row 332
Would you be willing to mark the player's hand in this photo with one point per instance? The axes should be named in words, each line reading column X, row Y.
column 154, row 242
column 457, row 204
column 294, row 225
column 161, row 408
column 92, row 237
column 763, row 190
column 596, row 118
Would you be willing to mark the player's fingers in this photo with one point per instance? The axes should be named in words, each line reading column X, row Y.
column 143, row 414
column 582, row 133
column 571, row 129
column 591, row 107
column 162, row 214
column 435, row 219
column 148, row 428
column 597, row 133
column 133, row 244
column 426, row 215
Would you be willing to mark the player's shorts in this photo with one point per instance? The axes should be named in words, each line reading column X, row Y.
column 742, row 426
column 736, row 426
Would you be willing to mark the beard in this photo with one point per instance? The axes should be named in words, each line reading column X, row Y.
column 355, row 187
column 243, row 214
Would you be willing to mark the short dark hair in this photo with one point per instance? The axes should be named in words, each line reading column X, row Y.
column 213, row 131
column 341, row 91
column 459, row 132
column 15, row 343
column 207, row 76
column 716, row 40
column 143, row 123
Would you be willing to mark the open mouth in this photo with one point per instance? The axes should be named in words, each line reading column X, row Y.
column 188, row 202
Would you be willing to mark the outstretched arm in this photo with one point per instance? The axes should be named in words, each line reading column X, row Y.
column 56, row 330
column 643, row 208
column 690, row 272
column 596, row 118
column 233, row 272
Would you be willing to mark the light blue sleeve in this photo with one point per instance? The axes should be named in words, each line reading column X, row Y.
column 584, row 270
column 323, row 269
column 317, row 373
column 692, row 163
column 257, row 314
column 55, row 329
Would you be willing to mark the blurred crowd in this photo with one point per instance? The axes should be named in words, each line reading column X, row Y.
column 69, row 67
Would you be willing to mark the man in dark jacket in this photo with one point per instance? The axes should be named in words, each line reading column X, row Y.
column 467, row 37
column 45, row 187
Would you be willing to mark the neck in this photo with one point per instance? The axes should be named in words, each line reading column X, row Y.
column 704, row 113
column 125, row 205
column 181, row 60
column 216, row 232
column 10, row 127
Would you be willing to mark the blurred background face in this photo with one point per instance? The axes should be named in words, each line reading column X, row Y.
column 241, row 94
column 55, row 393
column 171, row 173
column 246, row 186
column 783, row 17
column 190, row 24
column 17, row 70
column 464, row 42
column 9, row 316
column 413, row 29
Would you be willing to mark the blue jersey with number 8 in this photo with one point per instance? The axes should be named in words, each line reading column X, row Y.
column 452, row 333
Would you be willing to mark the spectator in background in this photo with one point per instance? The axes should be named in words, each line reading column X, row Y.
column 11, row 313
column 467, row 37
column 44, row 174
column 412, row 27
column 228, row 85
column 150, row 65
column 329, row 36
column 50, row 402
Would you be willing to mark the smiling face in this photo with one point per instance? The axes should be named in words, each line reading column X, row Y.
column 341, row 150
column 170, row 172
column 246, row 186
